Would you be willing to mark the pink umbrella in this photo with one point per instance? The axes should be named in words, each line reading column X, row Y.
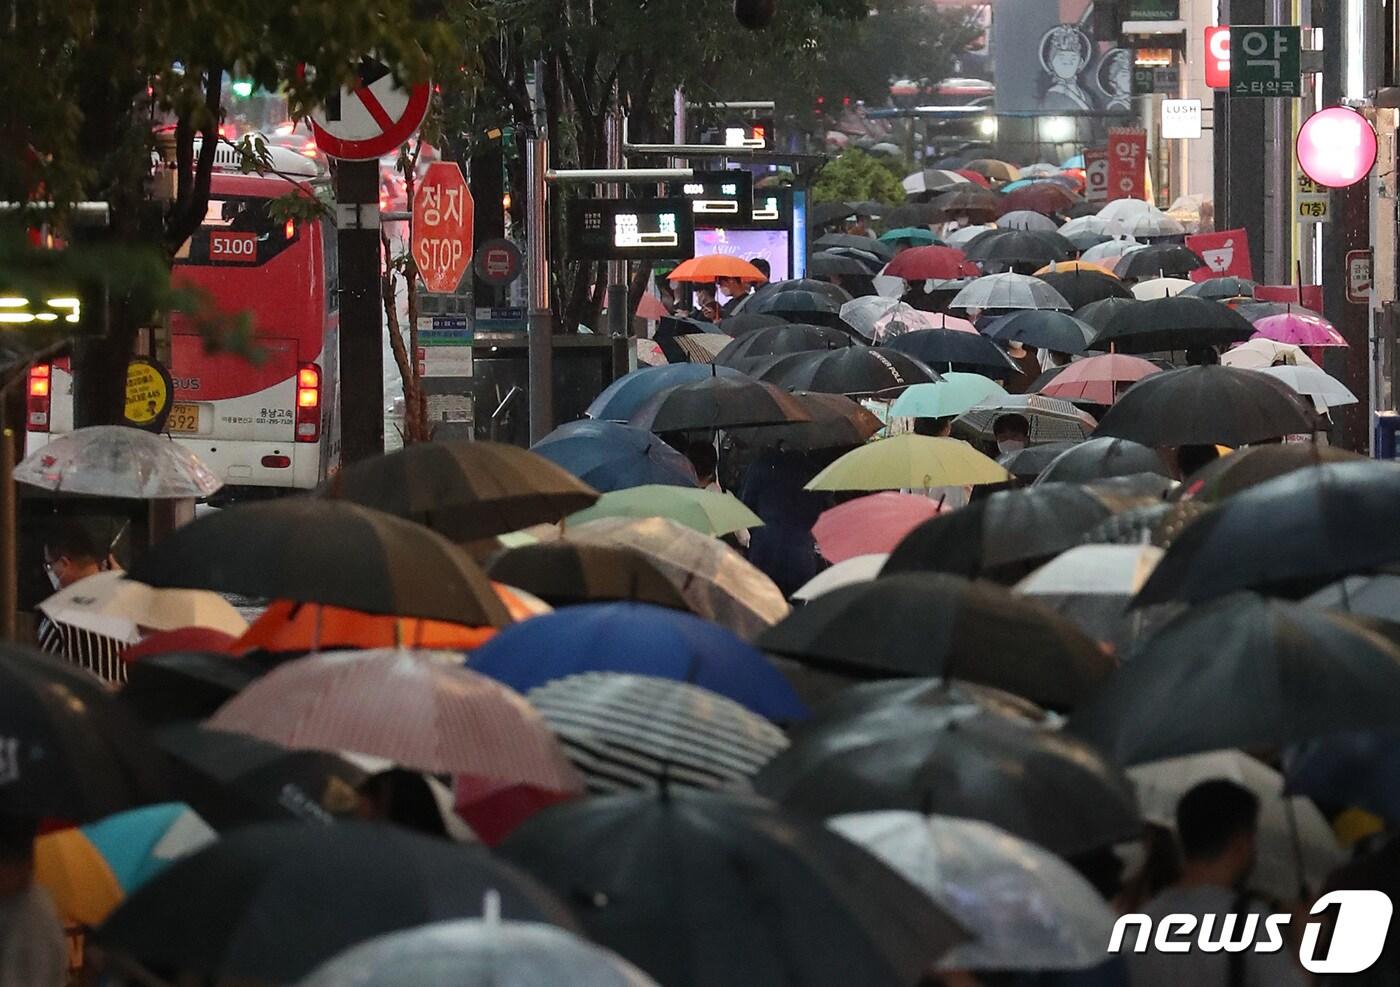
column 911, row 318
column 867, row 525
column 1298, row 328
column 1097, row 379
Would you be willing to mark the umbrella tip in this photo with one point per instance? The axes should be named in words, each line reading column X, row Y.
column 491, row 907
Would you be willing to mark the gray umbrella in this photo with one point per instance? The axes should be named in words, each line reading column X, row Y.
column 1102, row 457
column 1025, row 219
column 1005, row 291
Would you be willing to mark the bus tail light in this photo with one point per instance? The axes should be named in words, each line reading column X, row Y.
column 40, row 396
column 276, row 462
column 308, row 418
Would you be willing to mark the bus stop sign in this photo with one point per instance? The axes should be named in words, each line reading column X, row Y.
column 443, row 213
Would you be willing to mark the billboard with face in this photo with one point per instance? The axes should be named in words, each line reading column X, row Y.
column 1047, row 60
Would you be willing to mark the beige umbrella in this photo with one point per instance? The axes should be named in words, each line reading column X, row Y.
column 110, row 605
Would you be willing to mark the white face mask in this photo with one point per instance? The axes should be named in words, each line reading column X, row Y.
column 1008, row 446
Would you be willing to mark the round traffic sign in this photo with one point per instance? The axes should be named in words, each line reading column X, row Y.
column 498, row 262
column 372, row 119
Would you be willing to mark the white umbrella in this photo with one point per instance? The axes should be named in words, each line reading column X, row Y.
column 1160, row 288
column 1108, row 253
column 1256, row 354
column 889, row 286
column 1313, row 382
column 1145, row 224
column 1027, row 908
column 1084, row 224
column 1009, row 291
column 1026, row 219
column 1288, row 828
column 1042, row 169
column 862, row 313
column 1093, row 586
column 109, row 604
column 116, row 461
column 848, row 572
column 1124, row 208
column 963, row 234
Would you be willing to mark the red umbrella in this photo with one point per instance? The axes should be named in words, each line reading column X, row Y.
column 1097, row 379
column 180, row 639
column 868, row 525
column 1047, row 198
column 923, row 263
column 974, row 176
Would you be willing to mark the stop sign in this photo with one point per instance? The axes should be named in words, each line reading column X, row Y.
column 442, row 226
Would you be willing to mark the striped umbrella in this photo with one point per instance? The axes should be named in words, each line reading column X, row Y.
column 626, row 732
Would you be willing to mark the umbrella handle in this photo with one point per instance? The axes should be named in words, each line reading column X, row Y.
column 1297, row 848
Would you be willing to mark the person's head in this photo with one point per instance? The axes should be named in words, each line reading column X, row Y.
column 1202, row 356
column 402, row 797
column 70, row 554
column 1059, row 359
column 763, row 266
column 1190, row 459
column 733, row 287
column 702, row 456
column 1064, row 52
column 1012, row 433
column 1216, row 823
column 704, row 294
column 937, row 427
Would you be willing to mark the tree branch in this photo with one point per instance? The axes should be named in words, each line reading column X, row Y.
column 187, row 216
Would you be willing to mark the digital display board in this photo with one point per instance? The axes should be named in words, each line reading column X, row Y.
column 755, row 134
column 718, row 198
column 770, row 245
column 622, row 229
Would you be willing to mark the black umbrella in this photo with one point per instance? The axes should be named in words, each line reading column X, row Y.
column 701, row 889
column 866, row 243
column 1097, row 314
column 1042, row 328
column 945, row 626
column 272, row 902
column 1159, row 260
column 822, row 264
column 949, row 349
column 1244, row 671
column 1290, row 534
column 837, row 422
column 1221, row 288
column 1079, row 288
column 870, row 263
column 1030, row 462
column 780, row 340
column 1207, row 406
column 829, row 213
column 1102, row 457
column 184, row 685
column 1254, row 311
column 671, row 329
column 1033, row 782
column 71, row 750
column 796, row 286
column 718, row 402
column 1032, row 248
column 1245, row 468
column 862, row 698
column 464, row 490
column 745, row 322
column 1084, row 239
column 566, row 572
column 1084, row 209
column 332, row 552
column 1375, row 595
column 1156, row 524
column 971, row 201
column 913, row 214
column 853, row 370
column 801, row 304
column 1174, row 323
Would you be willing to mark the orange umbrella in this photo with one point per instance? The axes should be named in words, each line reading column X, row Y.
column 704, row 270
column 1055, row 267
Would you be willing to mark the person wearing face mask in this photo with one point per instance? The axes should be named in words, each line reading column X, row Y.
column 1012, row 433
column 70, row 555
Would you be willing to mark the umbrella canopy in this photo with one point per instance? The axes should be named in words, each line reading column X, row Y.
column 1110, row 252
column 781, row 340
column 1245, row 468
column 1221, row 288
column 908, row 462
column 1084, row 240
column 964, row 235
column 608, row 456
column 637, row 639
column 1026, row 219
column 564, row 573
column 1257, row 353
column 1040, row 198
column 1031, row 910
column 948, row 627
column 862, row 313
column 1161, row 288
column 325, row 551
column 1306, row 672
column 931, row 180
column 992, row 168
column 871, row 524
column 737, row 325
column 1047, row 330
column 710, row 512
column 828, row 213
column 1051, row 419
column 913, row 236
column 1124, row 208
column 1035, row 783
column 1099, row 379
column 477, row 953
column 946, row 398
column 464, row 490
column 901, row 318
column 1353, row 769
column 1102, row 457
column 1145, row 225
column 709, row 268
column 641, row 732
column 823, row 264
column 923, row 263
column 1089, row 223
column 1324, row 390
column 1372, row 595
column 1298, row 328
column 1084, row 285
column 1098, row 314
column 799, row 304
column 183, row 685
column 852, row 370
column 1073, row 266
column 718, row 402
column 1206, row 406
column 296, row 628
column 1030, row 248
column 1159, row 260
column 837, row 422
column 952, row 349
column 1173, row 323
column 853, row 242
column 914, row 214
column 271, row 902
column 117, row 461
column 1092, row 584
column 109, row 604
column 618, row 401
column 1030, row 462
column 858, row 569
column 973, row 203
column 686, row 886
column 1008, row 291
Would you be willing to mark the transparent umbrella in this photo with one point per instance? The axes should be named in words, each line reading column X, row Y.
column 1009, row 291
column 116, row 461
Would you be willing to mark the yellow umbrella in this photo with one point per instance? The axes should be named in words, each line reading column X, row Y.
column 909, row 462
column 1058, row 266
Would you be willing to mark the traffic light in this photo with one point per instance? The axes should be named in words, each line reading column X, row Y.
column 755, row 14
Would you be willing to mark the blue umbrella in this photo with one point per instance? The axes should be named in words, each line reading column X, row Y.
column 626, row 394
column 1360, row 769
column 608, row 456
column 1075, row 162
column 642, row 640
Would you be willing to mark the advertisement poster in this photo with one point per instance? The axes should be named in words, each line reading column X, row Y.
column 1068, row 71
column 1225, row 252
column 1127, row 163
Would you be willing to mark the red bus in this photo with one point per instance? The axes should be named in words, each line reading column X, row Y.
column 262, row 425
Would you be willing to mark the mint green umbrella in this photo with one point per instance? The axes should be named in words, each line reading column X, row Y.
column 707, row 511
column 954, row 395
column 916, row 236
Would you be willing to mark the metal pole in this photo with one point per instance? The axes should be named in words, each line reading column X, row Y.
column 592, row 176
column 612, row 134
column 1278, row 173
column 9, row 535
column 678, row 117
column 361, row 310
column 541, row 318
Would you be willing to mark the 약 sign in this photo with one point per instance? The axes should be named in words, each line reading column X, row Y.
column 1127, row 163
column 1266, row 60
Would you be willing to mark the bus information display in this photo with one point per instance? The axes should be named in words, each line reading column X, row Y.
column 623, row 229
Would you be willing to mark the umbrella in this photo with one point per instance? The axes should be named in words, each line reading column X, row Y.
column 908, row 462
column 325, row 551
column 1109, row 252
column 683, row 339
column 1098, row 314
column 964, row 235
column 1205, row 406
column 565, row 573
column 271, row 902
column 72, row 750
column 1154, row 288
column 1247, row 468
column 181, row 686
column 827, row 213
column 1256, row 310
column 1160, row 260
column 852, row 370
column 637, row 639
column 923, row 263
column 1093, row 586
column 288, row 628
column 849, row 572
column 1030, row 462
column 1157, row 524
column 1074, row 266
column 1084, row 285
column 1090, row 223
column 608, row 456
column 823, row 265
column 477, row 953
column 1032, row 248
column 1035, row 783
column 738, row 325
column 914, row 236
column 1300, row 329
column 718, row 583
column 630, row 732
column 1051, row 419
column 89, row 870
column 781, row 340
column 110, row 605
column 1100, row 379
column 950, row 696
column 623, row 396
column 837, row 422
column 1145, row 225
column 1102, row 457
column 967, row 201
column 710, row 512
column 870, row 524
column 709, row 268
column 1174, row 323
column 1026, row 219
column 1031, row 910
column 952, row 349
column 701, row 889
column 1307, row 673
column 717, row 402
column 809, row 289
column 914, row 214
column 946, row 398
column 997, row 170
column 117, row 461
column 1124, row 208
column 1221, row 288
column 862, row 313
column 1043, row 329
column 1373, row 595
column 1324, row 390
column 1008, row 291
column 1258, row 353
column 851, row 241
column 948, row 627
column 1348, row 769
column 1040, row 198
column 931, row 180
column 901, row 318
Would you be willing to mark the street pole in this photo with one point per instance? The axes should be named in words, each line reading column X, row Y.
column 1278, row 173
column 541, row 318
column 361, row 311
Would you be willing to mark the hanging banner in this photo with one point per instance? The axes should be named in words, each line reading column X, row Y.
column 1127, row 163
column 1226, row 254
column 1096, row 174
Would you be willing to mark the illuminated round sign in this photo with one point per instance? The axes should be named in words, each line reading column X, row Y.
column 1336, row 147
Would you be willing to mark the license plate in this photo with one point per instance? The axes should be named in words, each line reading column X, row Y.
column 183, row 418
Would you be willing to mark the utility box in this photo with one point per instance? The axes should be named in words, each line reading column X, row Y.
column 1383, row 445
